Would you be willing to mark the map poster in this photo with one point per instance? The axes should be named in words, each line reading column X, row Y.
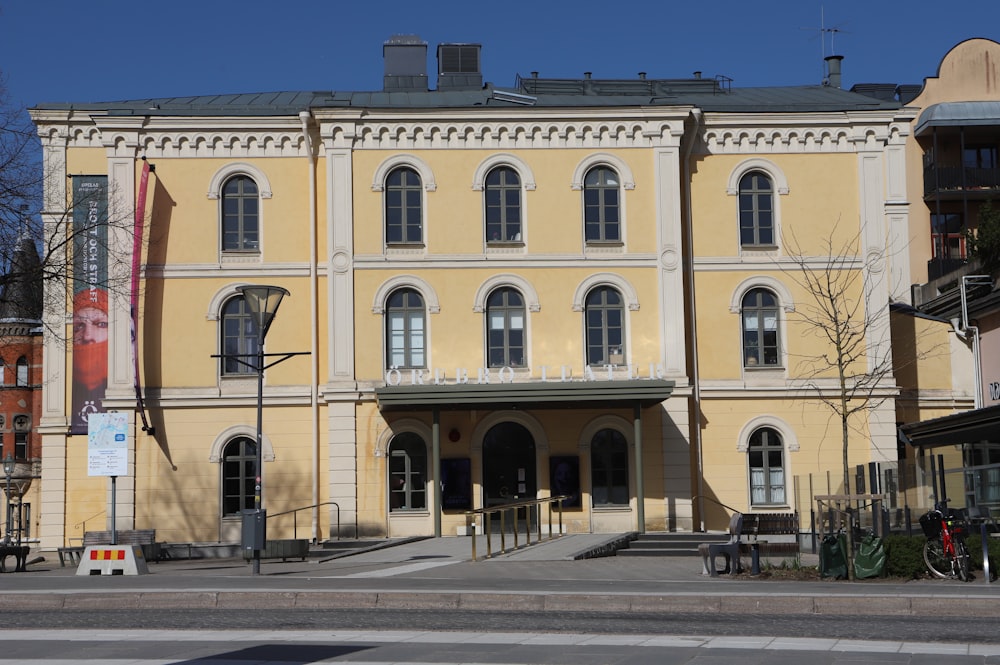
column 107, row 444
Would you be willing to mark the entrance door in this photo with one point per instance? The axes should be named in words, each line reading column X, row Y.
column 508, row 466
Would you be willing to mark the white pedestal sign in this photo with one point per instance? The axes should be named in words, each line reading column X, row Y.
column 107, row 455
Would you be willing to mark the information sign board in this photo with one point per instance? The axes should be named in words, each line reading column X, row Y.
column 107, row 444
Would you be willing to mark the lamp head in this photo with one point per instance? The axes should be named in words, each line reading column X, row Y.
column 263, row 302
column 8, row 464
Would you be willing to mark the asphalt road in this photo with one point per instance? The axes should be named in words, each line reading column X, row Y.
column 942, row 630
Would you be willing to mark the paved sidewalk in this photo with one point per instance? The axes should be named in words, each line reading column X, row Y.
column 438, row 573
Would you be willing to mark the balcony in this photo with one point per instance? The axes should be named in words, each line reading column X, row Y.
column 957, row 182
column 939, row 267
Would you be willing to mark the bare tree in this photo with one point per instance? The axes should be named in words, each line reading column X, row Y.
column 22, row 183
column 853, row 330
column 847, row 311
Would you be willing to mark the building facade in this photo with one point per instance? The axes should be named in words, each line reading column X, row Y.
column 577, row 287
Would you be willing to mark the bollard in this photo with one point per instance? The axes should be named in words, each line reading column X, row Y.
column 755, row 558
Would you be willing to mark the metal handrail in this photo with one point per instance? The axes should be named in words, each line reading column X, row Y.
column 295, row 520
column 715, row 501
column 488, row 513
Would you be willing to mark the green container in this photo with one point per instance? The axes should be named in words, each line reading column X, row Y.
column 832, row 557
column 870, row 559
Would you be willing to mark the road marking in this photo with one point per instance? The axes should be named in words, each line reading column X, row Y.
column 401, row 570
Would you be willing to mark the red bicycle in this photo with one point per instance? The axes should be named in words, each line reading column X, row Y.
column 944, row 552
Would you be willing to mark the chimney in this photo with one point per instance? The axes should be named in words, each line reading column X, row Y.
column 833, row 70
column 405, row 64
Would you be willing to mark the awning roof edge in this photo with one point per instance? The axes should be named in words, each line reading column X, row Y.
column 535, row 394
column 966, row 427
column 958, row 114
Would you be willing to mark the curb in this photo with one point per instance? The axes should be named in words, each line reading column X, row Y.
column 783, row 604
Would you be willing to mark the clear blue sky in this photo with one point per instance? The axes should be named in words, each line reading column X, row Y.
column 105, row 50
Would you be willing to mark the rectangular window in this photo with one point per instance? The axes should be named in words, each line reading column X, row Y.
column 948, row 236
column 20, row 445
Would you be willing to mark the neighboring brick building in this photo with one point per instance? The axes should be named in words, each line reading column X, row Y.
column 21, row 378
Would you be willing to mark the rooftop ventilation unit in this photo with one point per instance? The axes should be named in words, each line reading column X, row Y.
column 459, row 67
column 405, row 64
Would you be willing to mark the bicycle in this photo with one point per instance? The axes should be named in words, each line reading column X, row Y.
column 944, row 552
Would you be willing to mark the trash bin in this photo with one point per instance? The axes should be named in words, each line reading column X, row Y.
column 832, row 556
column 870, row 559
column 253, row 537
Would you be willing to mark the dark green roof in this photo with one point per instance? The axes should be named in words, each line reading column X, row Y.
column 707, row 95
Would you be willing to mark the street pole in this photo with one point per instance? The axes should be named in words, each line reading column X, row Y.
column 8, row 468
column 259, row 457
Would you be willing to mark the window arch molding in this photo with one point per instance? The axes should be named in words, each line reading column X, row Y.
column 220, row 298
column 412, row 161
column 425, row 290
column 239, row 168
column 402, row 426
column 503, row 159
column 761, row 282
column 617, row 423
column 603, row 159
column 514, row 281
column 237, row 431
column 788, row 437
column 623, row 286
column 757, row 164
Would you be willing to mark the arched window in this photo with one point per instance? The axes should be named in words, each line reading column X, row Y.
column 239, row 339
column 759, row 314
column 605, row 317
column 407, row 472
column 21, row 381
column 505, row 328
column 403, row 206
column 601, row 208
column 240, row 215
column 239, row 475
column 609, row 468
column 756, row 198
column 405, row 330
column 767, row 470
column 502, row 199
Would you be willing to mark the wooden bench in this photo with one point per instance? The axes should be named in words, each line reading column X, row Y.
column 758, row 526
column 145, row 538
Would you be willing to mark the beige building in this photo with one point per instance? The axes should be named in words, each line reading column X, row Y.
column 587, row 288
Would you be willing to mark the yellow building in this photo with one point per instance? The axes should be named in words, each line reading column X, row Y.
column 588, row 288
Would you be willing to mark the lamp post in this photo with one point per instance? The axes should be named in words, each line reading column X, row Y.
column 8, row 469
column 263, row 302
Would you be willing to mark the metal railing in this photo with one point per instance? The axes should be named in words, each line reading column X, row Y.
column 488, row 513
column 295, row 517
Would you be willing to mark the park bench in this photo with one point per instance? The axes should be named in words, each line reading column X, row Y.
column 760, row 527
column 145, row 538
column 750, row 532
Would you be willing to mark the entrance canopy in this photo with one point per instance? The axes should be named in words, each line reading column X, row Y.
column 966, row 427
column 542, row 394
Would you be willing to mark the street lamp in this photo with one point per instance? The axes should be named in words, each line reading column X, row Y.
column 263, row 302
column 8, row 469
